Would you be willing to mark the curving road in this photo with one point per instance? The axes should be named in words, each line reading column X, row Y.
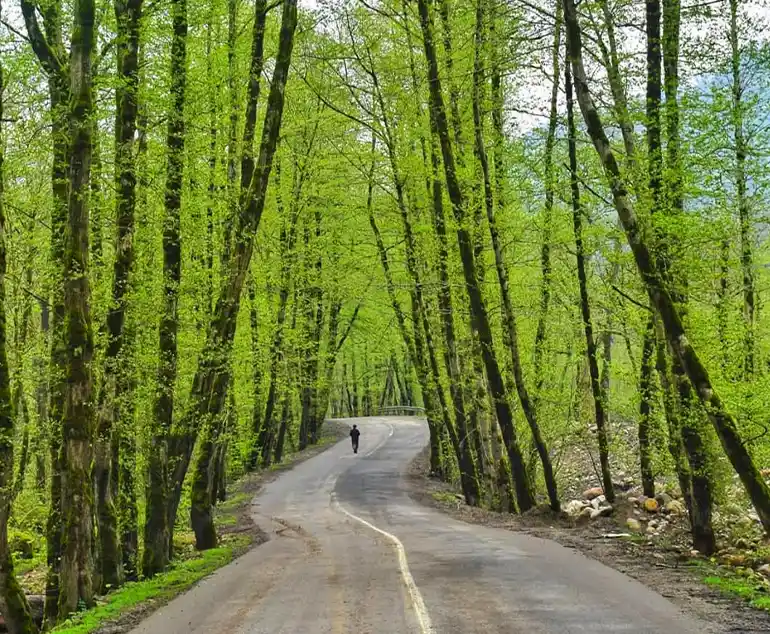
column 351, row 553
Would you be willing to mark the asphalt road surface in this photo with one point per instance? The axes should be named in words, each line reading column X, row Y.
column 351, row 553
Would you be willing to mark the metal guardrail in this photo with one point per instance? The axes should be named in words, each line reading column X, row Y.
column 395, row 410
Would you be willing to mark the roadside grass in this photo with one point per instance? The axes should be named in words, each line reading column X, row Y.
column 160, row 589
column 445, row 497
column 743, row 583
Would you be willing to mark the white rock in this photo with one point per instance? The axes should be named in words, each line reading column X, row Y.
column 573, row 508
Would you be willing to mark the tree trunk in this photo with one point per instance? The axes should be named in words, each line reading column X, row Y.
column 744, row 209
column 256, row 416
column 129, row 512
column 116, row 387
column 585, row 307
column 545, row 251
column 285, row 420
column 158, row 529
column 201, row 489
column 671, row 406
column 477, row 306
column 689, row 412
column 454, row 93
column 314, row 319
column 78, row 416
column 645, row 407
column 723, row 421
column 611, row 61
column 723, row 302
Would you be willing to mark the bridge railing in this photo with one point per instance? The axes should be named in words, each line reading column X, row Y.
column 401, row 410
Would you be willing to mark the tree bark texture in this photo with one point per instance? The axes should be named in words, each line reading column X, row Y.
column 158, row 530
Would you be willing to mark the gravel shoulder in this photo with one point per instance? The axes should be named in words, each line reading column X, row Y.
column 662, row 567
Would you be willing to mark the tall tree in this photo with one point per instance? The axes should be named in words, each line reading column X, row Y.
column 723, row 421
column 478, row 307
column 597, row 391
column 13, row 603
column 116, row 388
column 158, row 528
column 79, row 415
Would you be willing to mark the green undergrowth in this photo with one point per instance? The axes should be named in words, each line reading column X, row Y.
column 159, row 589
column 445, row 497
column 743, row 583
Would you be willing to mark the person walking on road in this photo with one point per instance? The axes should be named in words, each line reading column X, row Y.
column 354, row 434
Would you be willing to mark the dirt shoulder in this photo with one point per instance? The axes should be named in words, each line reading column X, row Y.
column 665, row 566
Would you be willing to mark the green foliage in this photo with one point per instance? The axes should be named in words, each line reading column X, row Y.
column 747, row 587
column 322, row 180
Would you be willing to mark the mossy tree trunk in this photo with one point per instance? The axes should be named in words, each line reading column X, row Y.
column 77, row 503
column 117, row 388
column 158, row 529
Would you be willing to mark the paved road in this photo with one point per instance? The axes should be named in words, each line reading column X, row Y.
column 350, row 553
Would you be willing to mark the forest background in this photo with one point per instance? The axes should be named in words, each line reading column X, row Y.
column 224, row 220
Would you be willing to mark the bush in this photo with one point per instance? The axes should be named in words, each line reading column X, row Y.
column 22, row 543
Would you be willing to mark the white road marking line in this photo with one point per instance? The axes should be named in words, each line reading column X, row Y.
column 423, row 618
column 381, row 443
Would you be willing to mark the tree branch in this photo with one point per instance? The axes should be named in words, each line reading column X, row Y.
column 40, row 45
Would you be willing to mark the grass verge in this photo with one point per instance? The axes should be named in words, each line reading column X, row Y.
column 743, row 583
column 159, row 589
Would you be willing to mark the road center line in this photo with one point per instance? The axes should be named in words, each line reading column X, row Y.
column 423, row 618
column 381, row 443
